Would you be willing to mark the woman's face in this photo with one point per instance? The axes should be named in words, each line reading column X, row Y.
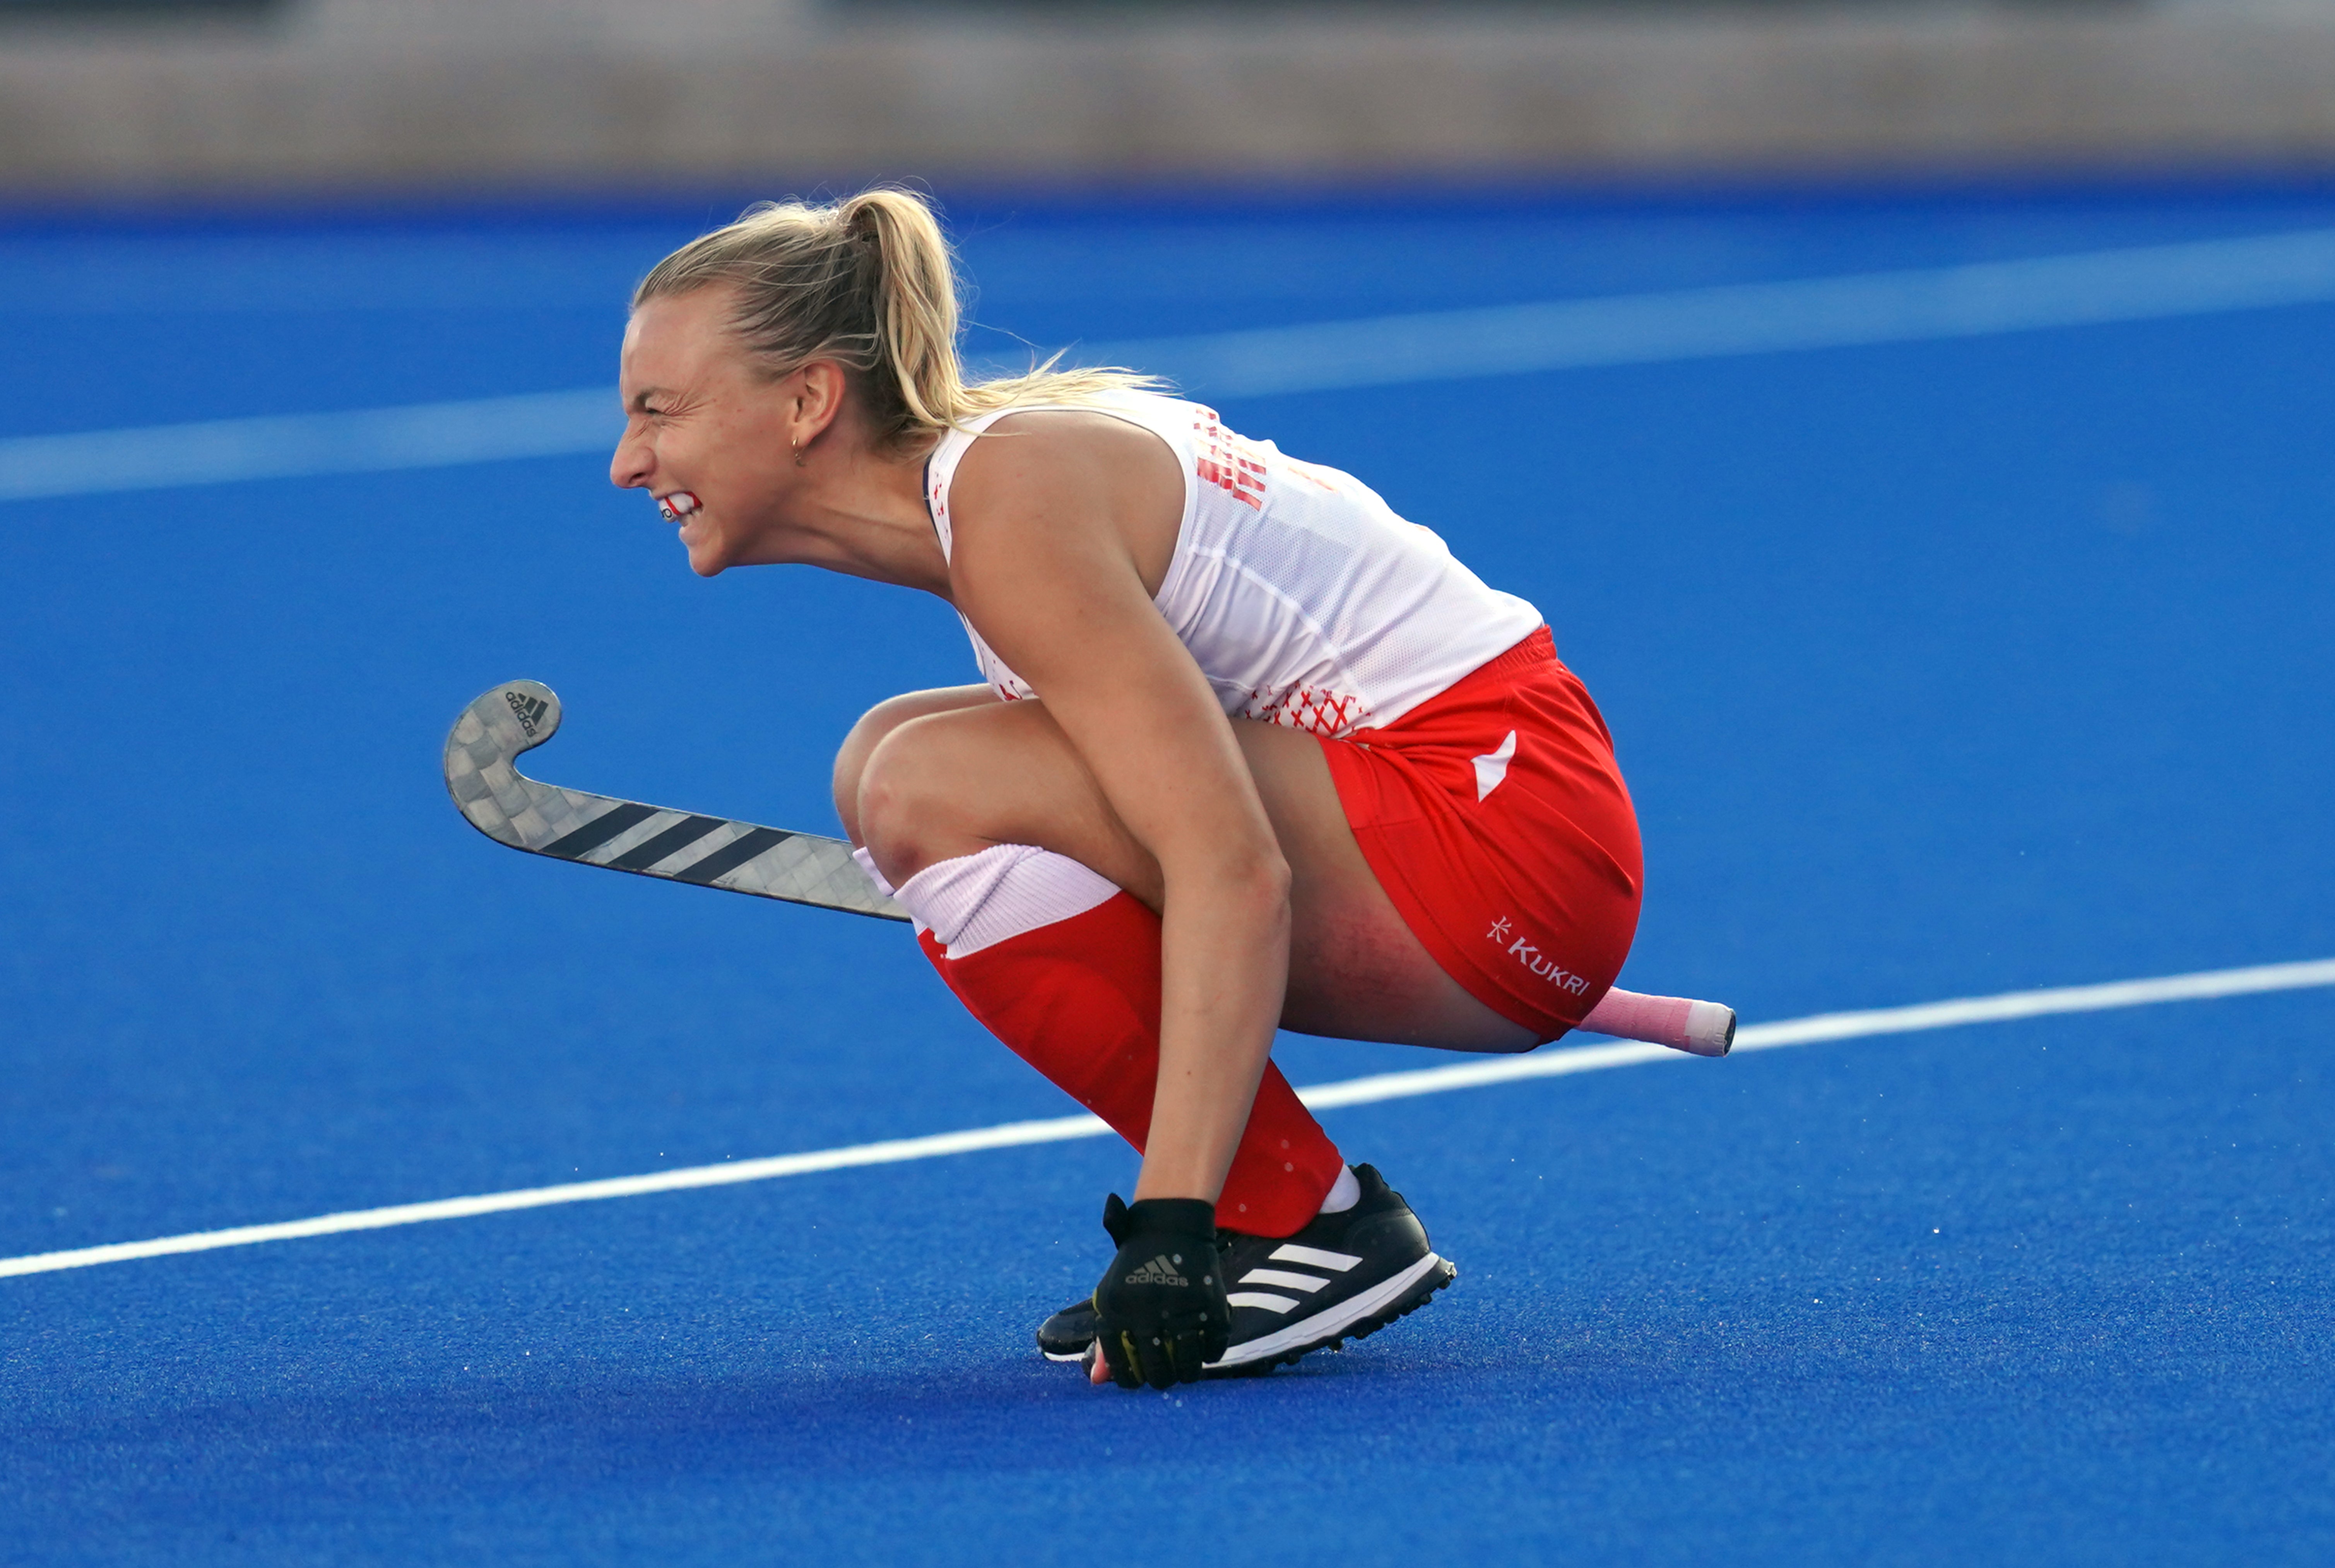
column 700, row 424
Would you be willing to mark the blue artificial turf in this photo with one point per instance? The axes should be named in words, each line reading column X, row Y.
column 1937, row 670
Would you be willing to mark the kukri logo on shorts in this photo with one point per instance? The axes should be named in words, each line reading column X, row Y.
column 1544, row 968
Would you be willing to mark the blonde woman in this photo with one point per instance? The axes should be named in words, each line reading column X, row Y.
column 1249, row 751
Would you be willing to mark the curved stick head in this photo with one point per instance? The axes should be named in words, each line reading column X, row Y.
column 514, row 717
column 481, row 753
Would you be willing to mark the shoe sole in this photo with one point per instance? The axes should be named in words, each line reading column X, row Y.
column 1355, row 1319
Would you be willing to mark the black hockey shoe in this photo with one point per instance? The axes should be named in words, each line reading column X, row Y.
column 1069, row 1334
column 1343, row 1276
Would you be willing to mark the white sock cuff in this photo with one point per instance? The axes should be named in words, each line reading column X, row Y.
column 1344, row 1193
column 867, row 863
column 978, row 901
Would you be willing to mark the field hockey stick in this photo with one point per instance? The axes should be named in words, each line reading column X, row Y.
column 509, row 808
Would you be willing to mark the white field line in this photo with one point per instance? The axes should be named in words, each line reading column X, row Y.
column 288, row 446
column 1369, row 1091
column 1827, row 1026
column 1979, row 299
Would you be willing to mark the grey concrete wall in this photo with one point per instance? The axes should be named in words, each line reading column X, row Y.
column 434, row 92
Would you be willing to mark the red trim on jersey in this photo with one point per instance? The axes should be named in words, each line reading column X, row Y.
column 1526, row 893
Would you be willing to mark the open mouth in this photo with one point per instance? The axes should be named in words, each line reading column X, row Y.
column 675, row 508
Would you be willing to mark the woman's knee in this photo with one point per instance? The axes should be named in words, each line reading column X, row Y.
column 851, row 762
column 904, row 811
column 859, row 745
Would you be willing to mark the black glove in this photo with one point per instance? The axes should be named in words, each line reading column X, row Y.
column 1160, row 1313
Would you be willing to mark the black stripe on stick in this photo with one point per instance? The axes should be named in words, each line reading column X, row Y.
column 599, row 831
column 671, row 841
column 731, row 856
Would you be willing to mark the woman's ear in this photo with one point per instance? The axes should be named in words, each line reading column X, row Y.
column 821, row 388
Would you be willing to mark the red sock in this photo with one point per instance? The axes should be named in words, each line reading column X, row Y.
column 1079, row 1000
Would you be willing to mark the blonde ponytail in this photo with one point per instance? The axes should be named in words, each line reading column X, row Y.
column 870, row 283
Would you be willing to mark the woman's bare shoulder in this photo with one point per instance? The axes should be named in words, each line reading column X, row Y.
column 1037, row 467
column 1061, row 430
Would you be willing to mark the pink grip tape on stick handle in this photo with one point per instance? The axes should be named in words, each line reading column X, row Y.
column 1701, row 1027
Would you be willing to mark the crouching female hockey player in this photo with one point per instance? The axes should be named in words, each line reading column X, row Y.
column 1251, row 750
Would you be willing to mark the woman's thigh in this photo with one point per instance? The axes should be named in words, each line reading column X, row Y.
column 1355, row 971
column 950, row 780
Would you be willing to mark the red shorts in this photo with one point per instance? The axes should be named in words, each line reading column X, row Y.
column 1495, row 818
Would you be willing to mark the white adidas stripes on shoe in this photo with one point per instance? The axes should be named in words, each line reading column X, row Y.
column 1347, row 1274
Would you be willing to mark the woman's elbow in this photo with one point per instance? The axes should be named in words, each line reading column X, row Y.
column 1255, row 883
column 1274, row 880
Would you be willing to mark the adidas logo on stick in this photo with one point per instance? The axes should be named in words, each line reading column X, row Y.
column 1158, row 1271
column 528, row 711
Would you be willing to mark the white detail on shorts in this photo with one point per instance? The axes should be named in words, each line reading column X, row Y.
column 1541, row 965
column 978, row 901
column 1524, row 951
column 1493, row 766
column 1314, row 1257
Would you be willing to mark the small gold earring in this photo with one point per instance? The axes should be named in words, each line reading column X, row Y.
column 798, row 451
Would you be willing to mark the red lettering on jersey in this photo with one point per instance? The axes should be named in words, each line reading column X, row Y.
column 1230, row 462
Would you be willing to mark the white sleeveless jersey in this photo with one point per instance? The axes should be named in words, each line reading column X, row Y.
column 1303, row 598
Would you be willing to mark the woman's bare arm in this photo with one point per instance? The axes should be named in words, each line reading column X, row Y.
column 1059, row 520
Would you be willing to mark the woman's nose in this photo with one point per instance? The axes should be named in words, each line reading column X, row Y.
column 630, row 467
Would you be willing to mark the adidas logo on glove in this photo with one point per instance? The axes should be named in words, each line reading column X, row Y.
column 1158, row 1271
